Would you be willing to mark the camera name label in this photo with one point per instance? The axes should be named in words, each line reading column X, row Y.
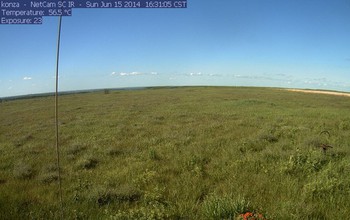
column 31, row 12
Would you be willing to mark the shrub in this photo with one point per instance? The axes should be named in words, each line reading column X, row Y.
column 327, row 183
column 306, row 162
column 344, row 125
column 322, row 188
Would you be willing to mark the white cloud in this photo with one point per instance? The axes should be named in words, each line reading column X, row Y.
column 135, row 73
column 196, row 74
column 215, row 74
column 125, row 74
column 27, row 78
column 154, row 73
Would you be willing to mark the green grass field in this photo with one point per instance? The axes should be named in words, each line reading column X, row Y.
column 177, row 153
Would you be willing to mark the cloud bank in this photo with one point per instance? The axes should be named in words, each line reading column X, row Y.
column 126, row 74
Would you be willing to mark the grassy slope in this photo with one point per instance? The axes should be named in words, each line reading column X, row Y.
column 177, row 153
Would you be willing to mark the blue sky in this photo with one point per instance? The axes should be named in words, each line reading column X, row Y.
column 278, row 43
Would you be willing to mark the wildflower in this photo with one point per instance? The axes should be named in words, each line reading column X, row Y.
column 251, row 216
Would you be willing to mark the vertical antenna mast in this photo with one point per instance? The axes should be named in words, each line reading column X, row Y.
column 56, row 116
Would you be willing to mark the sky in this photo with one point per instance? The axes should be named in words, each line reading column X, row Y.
column 272, row 43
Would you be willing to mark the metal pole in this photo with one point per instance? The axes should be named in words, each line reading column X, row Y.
column 56, row 117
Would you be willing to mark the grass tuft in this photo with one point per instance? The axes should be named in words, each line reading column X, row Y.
column 153, row 155
column 48, row 177
column 113, row 151
column 87, row 162
column 120, row 194
column 23, row 170
column 216, row 207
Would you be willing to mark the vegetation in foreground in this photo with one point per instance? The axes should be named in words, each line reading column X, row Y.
column 178, row 153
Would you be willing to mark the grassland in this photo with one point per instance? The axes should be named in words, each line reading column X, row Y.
column 177, row 153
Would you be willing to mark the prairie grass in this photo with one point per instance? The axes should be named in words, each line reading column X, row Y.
column 177, row 153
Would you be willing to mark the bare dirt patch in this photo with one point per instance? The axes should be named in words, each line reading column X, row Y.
column 320, row 92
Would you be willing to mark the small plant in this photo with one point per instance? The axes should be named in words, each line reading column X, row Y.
column 197, row 165
column 145, row 178
column 153, row 155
